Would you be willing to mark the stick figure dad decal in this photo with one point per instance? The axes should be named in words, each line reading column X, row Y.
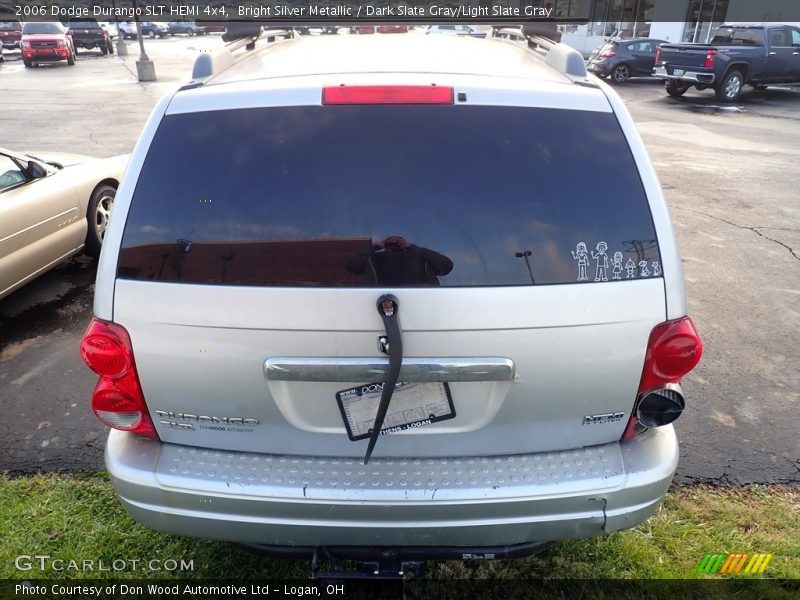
column 602, row 261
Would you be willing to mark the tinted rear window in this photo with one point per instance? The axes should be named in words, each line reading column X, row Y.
column 742, row 36
column 318, row 196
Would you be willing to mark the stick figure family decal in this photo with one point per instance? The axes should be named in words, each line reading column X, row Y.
column 581, row 256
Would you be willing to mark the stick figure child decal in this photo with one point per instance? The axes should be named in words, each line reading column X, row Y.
column 602, row 262
column 617, row 270
column 643, row 270
column 582, row 256
column 630, row 268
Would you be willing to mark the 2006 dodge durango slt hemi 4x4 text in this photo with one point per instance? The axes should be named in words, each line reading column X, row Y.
column 383, row 292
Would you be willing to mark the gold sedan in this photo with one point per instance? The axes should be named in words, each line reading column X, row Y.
column 51, row 208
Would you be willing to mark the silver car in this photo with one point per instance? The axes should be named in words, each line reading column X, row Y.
column 405, row 296
column 52, row 206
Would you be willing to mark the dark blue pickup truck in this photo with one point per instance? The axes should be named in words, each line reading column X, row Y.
column 738, row 55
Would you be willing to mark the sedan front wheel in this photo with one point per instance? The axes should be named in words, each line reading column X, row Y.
column 97, row 214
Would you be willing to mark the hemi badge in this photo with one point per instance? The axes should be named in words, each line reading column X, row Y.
column 604, row 418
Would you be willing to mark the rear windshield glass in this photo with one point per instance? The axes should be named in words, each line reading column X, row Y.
column 389, row 195
column 10, row 25
column 741, row 36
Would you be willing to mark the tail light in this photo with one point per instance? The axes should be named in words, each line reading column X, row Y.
column 673, row 350
column 608, row 54
column 117, row 399
column 387, row 94
column 709, row 62
column 658, row 55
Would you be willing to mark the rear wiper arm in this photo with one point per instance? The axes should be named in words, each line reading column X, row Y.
column 387, row 308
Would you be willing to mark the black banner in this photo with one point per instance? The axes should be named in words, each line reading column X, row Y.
column 282, row 12
column 427, row 589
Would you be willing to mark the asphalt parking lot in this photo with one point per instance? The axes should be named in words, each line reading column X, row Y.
column 729, row 173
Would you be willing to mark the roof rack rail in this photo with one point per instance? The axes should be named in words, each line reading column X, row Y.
column 567, row 60
column 209, row 64
column 544, row 39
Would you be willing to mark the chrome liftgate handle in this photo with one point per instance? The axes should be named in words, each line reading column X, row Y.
column 388, row 307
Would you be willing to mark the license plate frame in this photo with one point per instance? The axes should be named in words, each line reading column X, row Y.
column 413, row 405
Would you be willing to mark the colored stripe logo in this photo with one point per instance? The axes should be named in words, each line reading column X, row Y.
column 737, row 562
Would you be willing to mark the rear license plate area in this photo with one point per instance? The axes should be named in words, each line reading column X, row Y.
column 414, row 404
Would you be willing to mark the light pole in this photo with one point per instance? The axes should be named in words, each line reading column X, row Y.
column 122, row 47
column 145, row 68
column 525, row 254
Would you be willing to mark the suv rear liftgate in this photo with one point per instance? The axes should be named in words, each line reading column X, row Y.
column 537, row 343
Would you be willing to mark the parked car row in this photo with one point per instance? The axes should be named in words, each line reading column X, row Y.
column 738, row 55
column 129, row 29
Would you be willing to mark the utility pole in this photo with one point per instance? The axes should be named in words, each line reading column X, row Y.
column 145, row 68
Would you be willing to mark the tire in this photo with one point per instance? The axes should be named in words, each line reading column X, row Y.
column 104, row 50
column 621, row 73
column 71, row 59
column 730, row 87
column 152, row 34
column 110, row 47
column 190, row 33
column 675, row 89
column 97, row 214
column 28, row 64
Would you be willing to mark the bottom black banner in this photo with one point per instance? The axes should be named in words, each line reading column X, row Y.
column 131, row 589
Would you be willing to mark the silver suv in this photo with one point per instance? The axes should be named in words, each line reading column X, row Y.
column 408, row 292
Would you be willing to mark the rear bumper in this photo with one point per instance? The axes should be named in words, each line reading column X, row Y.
column 89, row 43
column 688, row 76
column 313, row 501
column 603, row 69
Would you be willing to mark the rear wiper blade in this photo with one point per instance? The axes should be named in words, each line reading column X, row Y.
column 387, row 308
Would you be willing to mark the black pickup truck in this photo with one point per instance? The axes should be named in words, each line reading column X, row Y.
column 87, row 35
column 738, row 55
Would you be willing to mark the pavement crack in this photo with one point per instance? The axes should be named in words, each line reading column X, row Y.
column 756, row 230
